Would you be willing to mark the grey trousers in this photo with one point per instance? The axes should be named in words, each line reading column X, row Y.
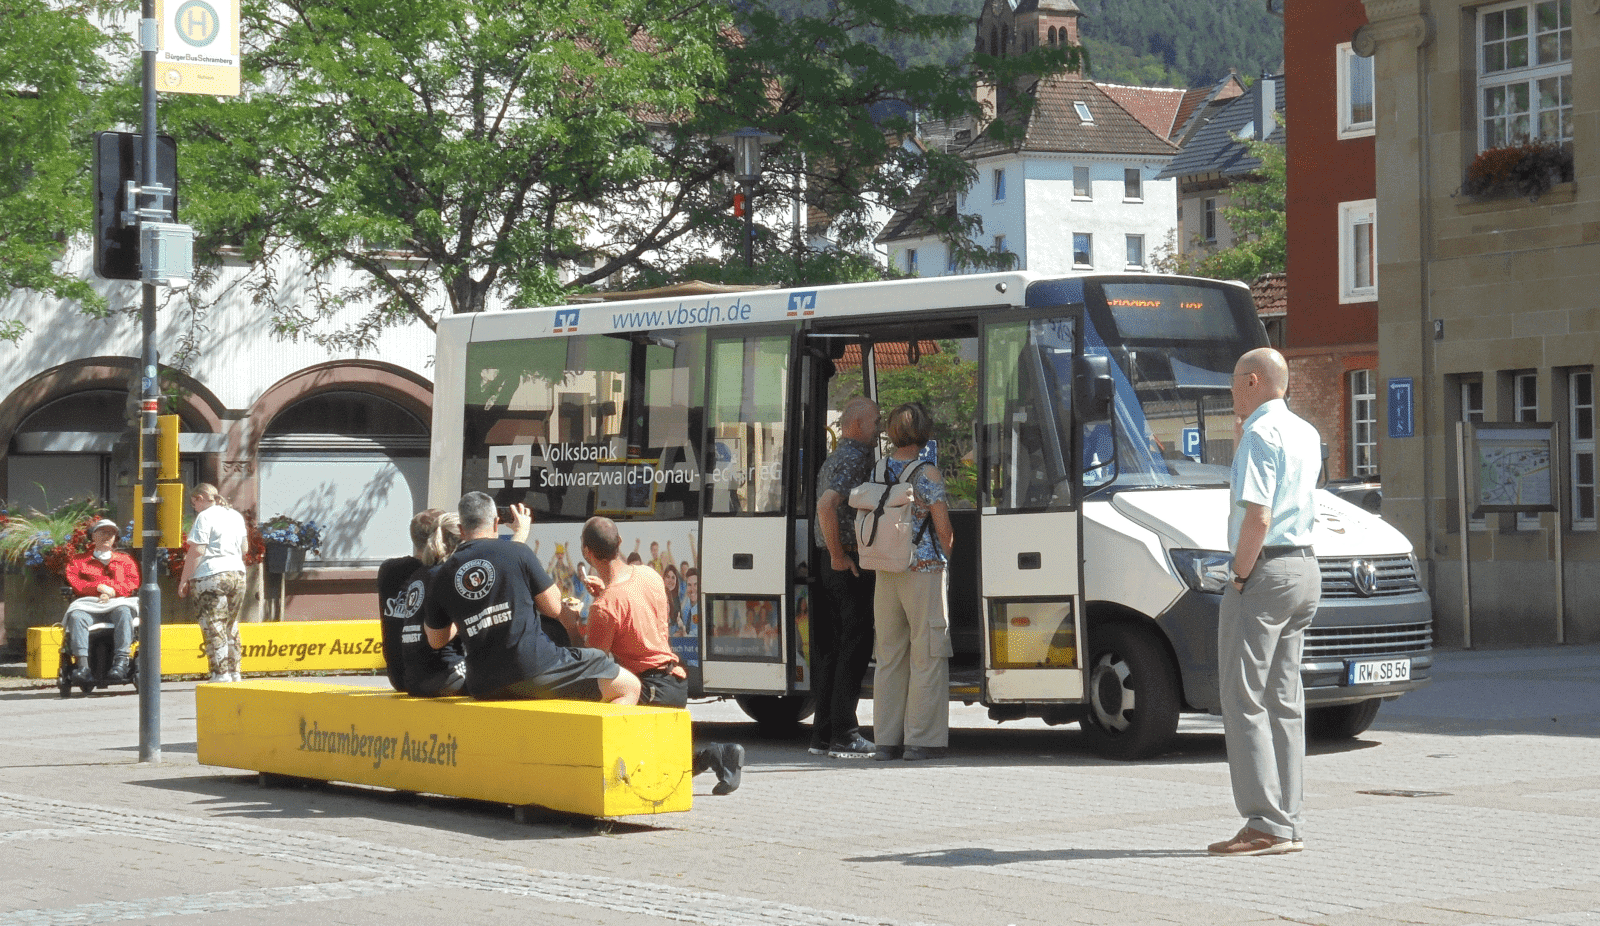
column 1260, row 635
column 78, row 624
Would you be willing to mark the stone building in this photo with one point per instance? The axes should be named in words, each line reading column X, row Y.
column 1489, row 256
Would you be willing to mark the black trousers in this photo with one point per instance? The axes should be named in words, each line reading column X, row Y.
column 841, row 649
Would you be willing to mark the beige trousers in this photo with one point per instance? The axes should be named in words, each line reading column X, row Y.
column 911, row 686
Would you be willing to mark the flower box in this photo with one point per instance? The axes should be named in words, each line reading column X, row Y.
column 282, row 558
column 1529, row 170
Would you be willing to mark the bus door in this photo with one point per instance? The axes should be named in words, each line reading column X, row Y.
column 745, row 535
column 1030, row 528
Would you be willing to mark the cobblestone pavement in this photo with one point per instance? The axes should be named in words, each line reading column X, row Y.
column 1474, row 801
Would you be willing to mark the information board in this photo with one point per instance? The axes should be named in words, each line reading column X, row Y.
column 1509, row 467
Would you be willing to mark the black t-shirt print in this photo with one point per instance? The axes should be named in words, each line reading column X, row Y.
column 486, row 588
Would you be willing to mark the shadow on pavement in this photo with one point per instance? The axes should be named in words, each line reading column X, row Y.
column 998, row 746
column 243, row 797
column 54, row 694
column 966, row 857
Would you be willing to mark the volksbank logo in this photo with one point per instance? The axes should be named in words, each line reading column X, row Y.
column 567, row 321
column 802, row 304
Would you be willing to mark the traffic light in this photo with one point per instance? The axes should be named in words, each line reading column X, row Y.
column 169, row 489
column 119, row 159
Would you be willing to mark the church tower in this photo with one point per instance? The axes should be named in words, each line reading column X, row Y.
column 1008, row 27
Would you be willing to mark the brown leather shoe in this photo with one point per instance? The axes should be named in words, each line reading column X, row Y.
column 1249, row 841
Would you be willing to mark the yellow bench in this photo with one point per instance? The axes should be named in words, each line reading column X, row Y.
column 602, row 760
column 294, row 646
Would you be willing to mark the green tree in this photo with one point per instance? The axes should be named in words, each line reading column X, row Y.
column 55, row 64
column 948, row 386
column 475, row 145
column 1257, row 215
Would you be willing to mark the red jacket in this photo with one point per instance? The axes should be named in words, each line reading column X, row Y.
column 86, row 574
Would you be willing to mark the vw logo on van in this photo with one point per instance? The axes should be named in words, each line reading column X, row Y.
column 1364, row 573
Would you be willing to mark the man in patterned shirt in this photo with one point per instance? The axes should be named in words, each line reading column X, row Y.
column 841, row 630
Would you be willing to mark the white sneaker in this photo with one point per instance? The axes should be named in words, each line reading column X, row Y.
column 220, row 677
column 236, row 678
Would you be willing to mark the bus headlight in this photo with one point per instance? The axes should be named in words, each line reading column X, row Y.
column 1204, row 570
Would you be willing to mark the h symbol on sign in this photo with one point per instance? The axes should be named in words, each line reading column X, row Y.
column 802, row 302
column 567, row 318
column 197, row 22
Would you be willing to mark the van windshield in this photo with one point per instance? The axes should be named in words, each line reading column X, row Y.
column 1173, row 346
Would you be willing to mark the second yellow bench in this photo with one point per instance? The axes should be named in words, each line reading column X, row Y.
column 601, row 760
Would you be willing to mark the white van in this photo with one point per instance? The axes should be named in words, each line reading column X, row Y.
column 1085, row 427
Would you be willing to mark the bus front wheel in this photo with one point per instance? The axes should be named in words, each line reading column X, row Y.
column 776, row 715
column 1133, row 693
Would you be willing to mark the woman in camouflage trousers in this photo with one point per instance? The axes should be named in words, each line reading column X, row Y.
column 214, row 571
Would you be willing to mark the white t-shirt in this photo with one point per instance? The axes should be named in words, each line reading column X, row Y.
column 221, row 534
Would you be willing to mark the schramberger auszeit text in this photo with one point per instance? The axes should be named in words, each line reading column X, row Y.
column 431, row 749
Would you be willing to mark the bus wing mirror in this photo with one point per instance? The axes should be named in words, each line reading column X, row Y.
column 1094, row 387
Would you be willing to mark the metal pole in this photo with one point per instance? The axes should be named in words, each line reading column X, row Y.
column 149, row 591
column 1558, row 457
column 749, row 225
column 1466, row 534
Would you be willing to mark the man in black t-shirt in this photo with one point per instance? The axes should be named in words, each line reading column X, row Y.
column 490, row 593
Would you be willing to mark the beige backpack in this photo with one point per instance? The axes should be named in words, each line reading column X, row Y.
column 886, row 532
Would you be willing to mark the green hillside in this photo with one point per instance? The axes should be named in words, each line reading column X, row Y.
column 1174, row 43
column 1179, row 43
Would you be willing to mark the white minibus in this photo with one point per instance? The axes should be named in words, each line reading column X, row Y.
column 1085, row 430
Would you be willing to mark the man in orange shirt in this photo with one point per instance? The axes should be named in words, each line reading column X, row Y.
column 628, row 619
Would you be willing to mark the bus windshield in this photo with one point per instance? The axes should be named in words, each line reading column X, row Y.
column 1172, row 346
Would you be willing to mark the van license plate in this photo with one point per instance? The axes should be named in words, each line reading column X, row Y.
column 1379, row 672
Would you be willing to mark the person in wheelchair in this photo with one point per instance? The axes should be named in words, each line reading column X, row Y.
column 104, row 578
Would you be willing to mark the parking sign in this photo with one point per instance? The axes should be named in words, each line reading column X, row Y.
column 1191, row 443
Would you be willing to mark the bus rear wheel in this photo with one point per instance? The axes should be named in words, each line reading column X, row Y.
column 1133, row 693
column 776, row 715
column 1341, row 721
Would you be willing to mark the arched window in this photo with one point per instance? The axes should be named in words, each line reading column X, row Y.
column 68, row 448
column 63, row 449
column 354, row 462
column 1005, row 39
column 1052, row 36
column 994, row 41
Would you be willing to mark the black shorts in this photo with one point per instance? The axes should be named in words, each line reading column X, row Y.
column 659, row 687
column 576, row 678
column 446, row 684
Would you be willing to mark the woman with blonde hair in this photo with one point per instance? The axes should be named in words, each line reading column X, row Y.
column 414, row 667
column 911, row 687
column 214, row 570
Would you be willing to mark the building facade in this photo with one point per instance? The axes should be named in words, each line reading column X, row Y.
column 1331, row 336
column 281, row 426
column 1081, row 190
column 1491, row 294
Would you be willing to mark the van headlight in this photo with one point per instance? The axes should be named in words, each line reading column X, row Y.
column 1204, row 570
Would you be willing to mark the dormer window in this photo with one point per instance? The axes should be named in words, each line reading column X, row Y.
column 1084, row 116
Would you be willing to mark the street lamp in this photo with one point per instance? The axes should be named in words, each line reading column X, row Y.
column 746, row 144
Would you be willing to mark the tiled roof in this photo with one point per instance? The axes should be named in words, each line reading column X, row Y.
column 1212, row 150
column 1271, row 292
column 912, row 219
column 887, row 355
column 1053, row 125
column 1202, row 104
column 1157, row 108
